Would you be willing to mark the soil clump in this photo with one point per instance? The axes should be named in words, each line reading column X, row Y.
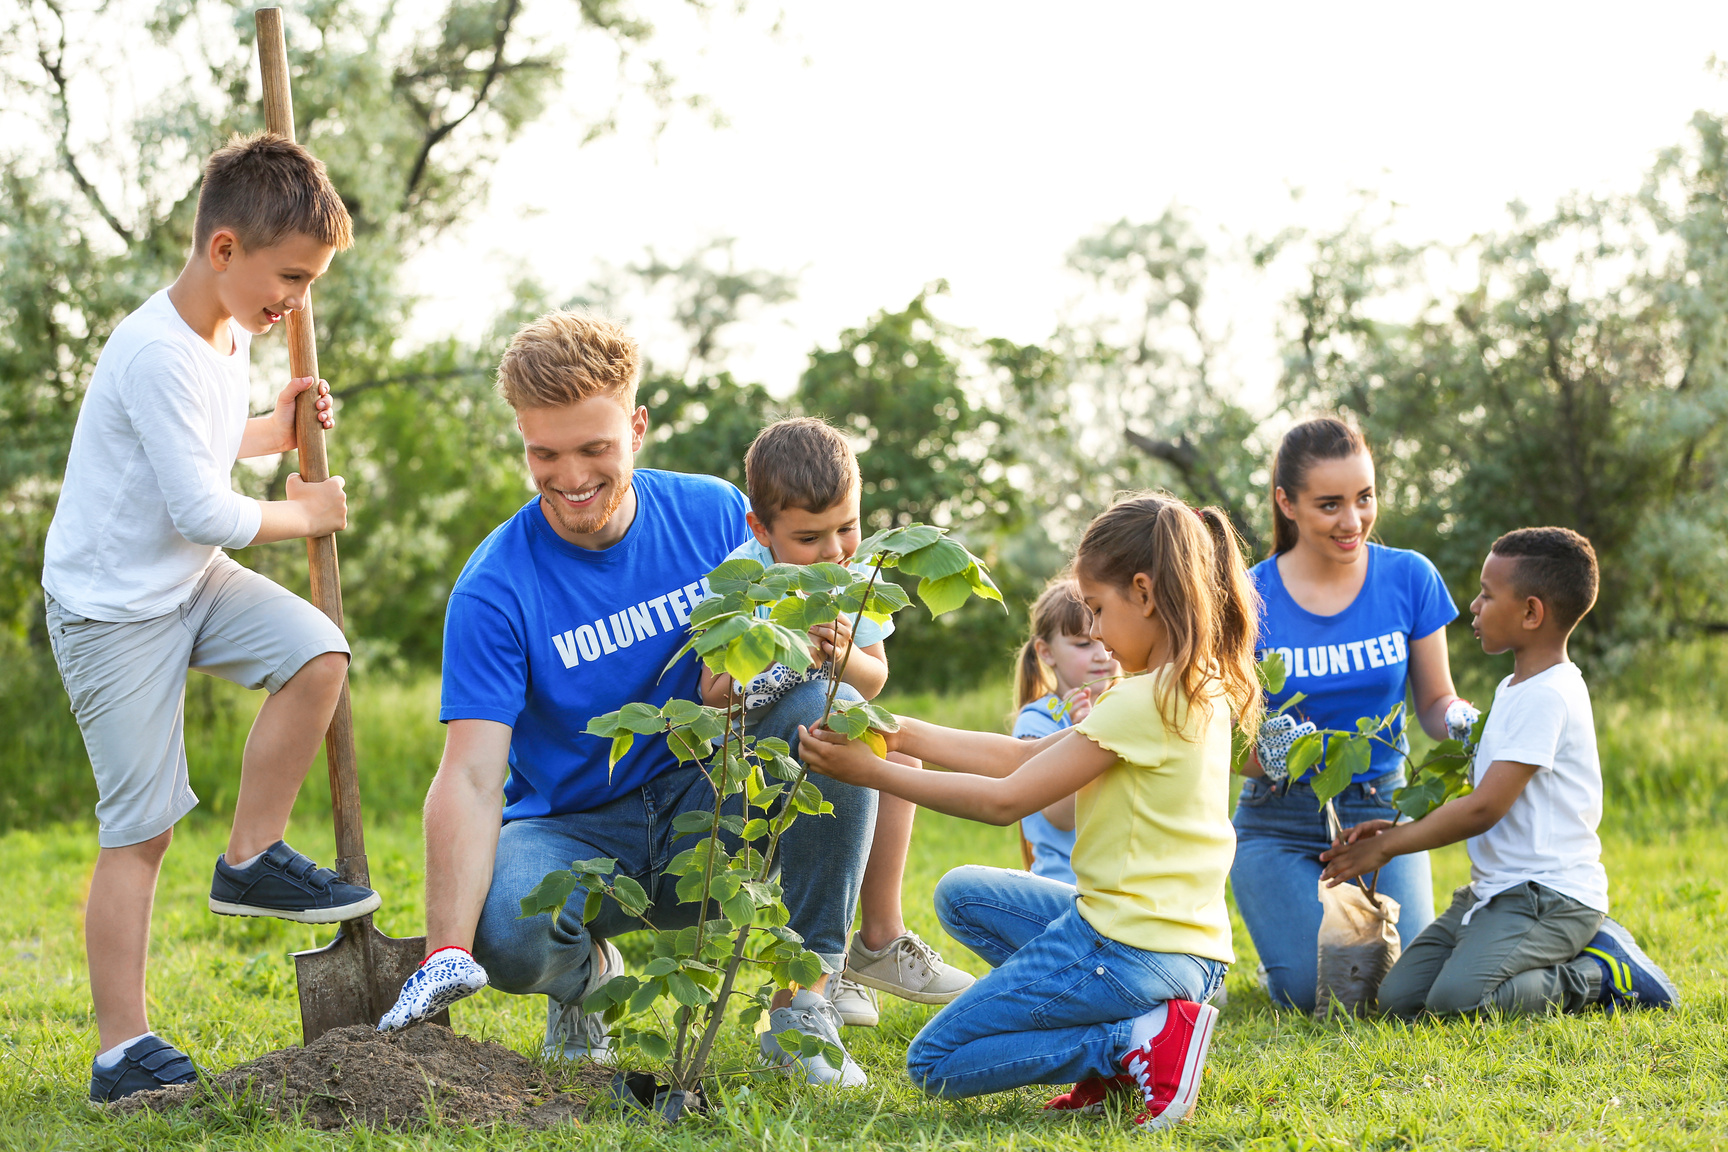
column 424, row 1074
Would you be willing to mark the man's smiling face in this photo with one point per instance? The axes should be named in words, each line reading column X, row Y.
column 582, row 458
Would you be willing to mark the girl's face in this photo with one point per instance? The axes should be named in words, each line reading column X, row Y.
column 1125, row 621
column 1334, row 511
column 1077, row 660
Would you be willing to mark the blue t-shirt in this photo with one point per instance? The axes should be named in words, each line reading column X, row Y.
column 542, row 635
column 1052, row 848
column 1356, row 663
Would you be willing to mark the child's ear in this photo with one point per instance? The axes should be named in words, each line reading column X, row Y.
column 1042, row 651
column 1141, row 595
column 759, row 528
column 1535, row 612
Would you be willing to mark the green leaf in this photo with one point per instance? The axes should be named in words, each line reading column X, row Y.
column 607, row 725
column 881, row 719
column 740, row 909
column 653, row 1045
column 1272, row 673
column 750, row 654
column 887, row 598
column 620, row 745
column 806, row 968
column 722, row 634
column 550, row 894
column 630, row 896
column 698, row 821
column 1346, row 757
column 793, row 612
column 686, row 991
column 764, row 799
column 598, row 866
column 899, row 541
column 679, row 711
column 807, row 798
column 1417, row 799
column 945, row 595
column 717, row 608
column 617, row 990
column 686, row 746
column 824, row 577
column 641, row 718
column 1304, row 754
column 643, row 998
column 735, row 575
column 935, row 560
column 982, row 586
column 690, row 888
column 591, row 905
column 1295, row 699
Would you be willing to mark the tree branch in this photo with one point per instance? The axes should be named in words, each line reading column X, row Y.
column 56, row 70
column 1182, row 455
column 436, row 135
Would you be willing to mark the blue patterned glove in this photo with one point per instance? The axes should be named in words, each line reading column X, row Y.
column 446, row 976
column 1276, row 736
column 1461, row 716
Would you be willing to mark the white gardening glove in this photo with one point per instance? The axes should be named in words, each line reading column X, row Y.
column 1461, row 716
column 1273, row 743
column 446, row 976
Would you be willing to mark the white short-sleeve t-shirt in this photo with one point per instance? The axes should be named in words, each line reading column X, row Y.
column 1549, row 833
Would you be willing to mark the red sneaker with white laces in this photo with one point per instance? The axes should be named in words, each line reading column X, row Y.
column 1087, row 1097
column 1167, row 1067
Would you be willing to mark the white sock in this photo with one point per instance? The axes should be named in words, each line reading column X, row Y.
column 112, row 1057
column 1147, row 1026
column 246, row 863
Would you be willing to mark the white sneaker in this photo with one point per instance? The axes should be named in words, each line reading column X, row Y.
column 856, row 1004
column 906, row 967
column 811, row 1014
column 572, row 1034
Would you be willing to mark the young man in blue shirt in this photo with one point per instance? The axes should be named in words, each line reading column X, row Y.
column 568, row 610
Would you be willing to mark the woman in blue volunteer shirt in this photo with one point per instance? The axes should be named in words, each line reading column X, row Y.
column 1359, row 625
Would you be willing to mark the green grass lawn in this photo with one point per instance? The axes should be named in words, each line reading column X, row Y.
column 224, row 989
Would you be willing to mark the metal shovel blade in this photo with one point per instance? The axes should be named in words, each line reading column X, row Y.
column 355, row 978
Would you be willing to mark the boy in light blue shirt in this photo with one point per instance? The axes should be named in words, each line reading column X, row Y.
column 804, row 487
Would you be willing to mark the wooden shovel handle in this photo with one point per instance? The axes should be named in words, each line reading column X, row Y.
column 315, row 467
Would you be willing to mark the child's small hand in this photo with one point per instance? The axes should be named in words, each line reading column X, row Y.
column 831, row 639
column 283, row 416
column 324, row 503
column 1357, row 851
column 831, row 754
column 1078, row 704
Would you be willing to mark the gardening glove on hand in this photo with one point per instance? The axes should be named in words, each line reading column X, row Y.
column 1461, row 717
column 446, row 976
column 1273, row 743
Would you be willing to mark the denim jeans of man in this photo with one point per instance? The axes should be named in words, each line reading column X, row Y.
column 1061, row 999
column 821, row 862
column 1280, row 834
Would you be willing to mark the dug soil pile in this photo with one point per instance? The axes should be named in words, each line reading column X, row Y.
column 356, row 1076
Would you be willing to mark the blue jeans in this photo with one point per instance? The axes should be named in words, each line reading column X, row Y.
column 821, row 861
column 1276, row 876
column 1061, row 1000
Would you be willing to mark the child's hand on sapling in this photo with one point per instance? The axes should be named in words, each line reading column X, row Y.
column 829, row 640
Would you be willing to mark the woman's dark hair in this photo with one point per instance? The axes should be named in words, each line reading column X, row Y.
column 1322, row 438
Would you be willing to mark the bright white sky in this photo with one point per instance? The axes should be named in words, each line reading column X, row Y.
column 873, row 148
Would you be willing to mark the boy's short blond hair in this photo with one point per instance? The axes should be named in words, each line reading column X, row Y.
column 265, row 187
column 803, row 463
column 567, row 357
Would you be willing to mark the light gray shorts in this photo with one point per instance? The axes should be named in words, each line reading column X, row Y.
column 127, row 682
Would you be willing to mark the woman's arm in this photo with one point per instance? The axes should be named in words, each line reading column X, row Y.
column 979, row 753
column 1060, row 769
column 1431, row 682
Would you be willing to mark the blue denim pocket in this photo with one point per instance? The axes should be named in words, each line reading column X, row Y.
column 1256, row 790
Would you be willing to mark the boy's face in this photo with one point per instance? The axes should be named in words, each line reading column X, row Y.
column 1500, row 617
column 258, row 287
column 582, row 457
column 799, row 536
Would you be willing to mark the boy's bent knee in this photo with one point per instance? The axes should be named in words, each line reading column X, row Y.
column 324, row 670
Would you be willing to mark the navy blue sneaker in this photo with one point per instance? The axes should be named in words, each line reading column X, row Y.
column 1630, row 979
column 145, row 1066
column 289, row 886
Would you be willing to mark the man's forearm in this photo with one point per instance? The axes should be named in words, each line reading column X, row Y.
column 461, row 841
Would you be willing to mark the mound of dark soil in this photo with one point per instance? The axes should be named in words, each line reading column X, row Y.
column 356, row 1076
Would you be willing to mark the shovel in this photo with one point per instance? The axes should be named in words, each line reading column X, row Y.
column 355, row 978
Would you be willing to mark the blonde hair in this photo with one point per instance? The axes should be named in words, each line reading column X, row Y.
column 803, row 463
column 567, row 357
column 1200, row 590
column 1058, row 611
column 266, row 187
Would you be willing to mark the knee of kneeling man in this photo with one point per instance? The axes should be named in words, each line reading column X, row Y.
column 514, row 956
column 1455, row 999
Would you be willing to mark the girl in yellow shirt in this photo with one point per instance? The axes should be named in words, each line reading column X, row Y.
column 1103, row 982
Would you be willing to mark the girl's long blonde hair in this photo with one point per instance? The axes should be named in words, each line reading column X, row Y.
column 1058, row 611
column 1200, row 590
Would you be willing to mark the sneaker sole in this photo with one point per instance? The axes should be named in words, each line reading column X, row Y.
column 1193, row 1064
column 905, row 993
column 860, row 1019
column 303, row 916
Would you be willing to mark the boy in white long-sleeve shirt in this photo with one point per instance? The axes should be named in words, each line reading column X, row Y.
column 139, row 589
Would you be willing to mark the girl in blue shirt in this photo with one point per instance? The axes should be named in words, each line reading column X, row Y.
column 1360, row 626
column 1060, row 672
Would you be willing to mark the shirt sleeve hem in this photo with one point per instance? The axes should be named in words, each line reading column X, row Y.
column 477, row 712
column 251, row 518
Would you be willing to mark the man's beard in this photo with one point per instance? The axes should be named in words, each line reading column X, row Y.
column 588, row 521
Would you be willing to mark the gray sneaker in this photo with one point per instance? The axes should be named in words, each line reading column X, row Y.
column 572, row 1034
column 907, row 968
column 856, row 1004
column 811, row 1014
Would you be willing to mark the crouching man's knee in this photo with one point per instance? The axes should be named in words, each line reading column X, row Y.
column 542, row 954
